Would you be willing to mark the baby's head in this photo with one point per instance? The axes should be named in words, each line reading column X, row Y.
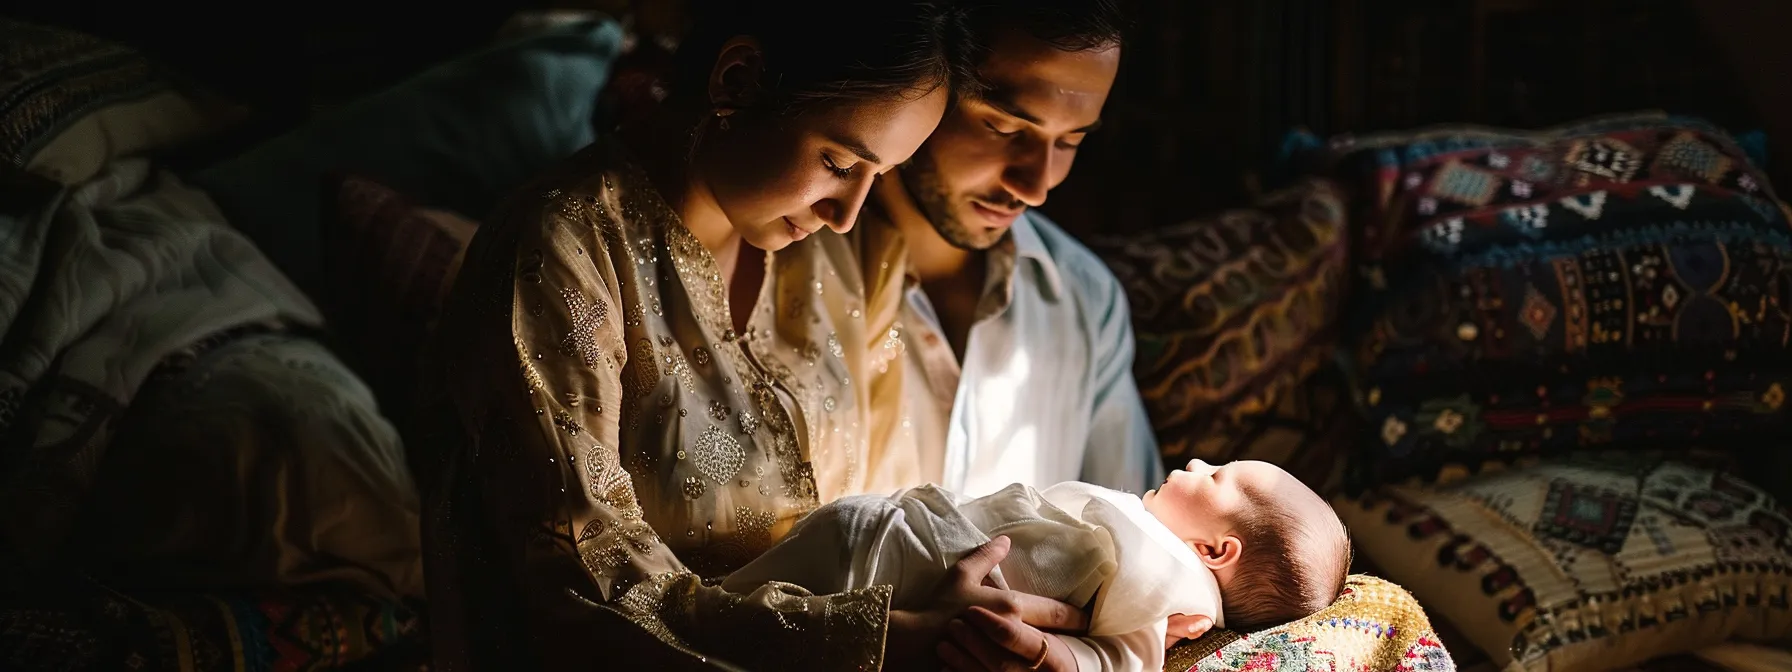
column 1278, row 550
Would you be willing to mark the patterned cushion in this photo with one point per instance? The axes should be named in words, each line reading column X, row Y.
column 83, row 626
column 69, row 103
column 393, row 263
column 1374, row 626
column 1588, row 562
column 1232, row 315
column 1621, row 282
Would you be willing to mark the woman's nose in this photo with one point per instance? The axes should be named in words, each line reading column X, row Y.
column 842, row 212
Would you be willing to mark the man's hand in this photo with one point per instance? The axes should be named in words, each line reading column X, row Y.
column 983, row 641
column 913, row 635
column 1186, row 627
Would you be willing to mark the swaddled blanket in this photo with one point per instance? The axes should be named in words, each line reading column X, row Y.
column 1074, row 542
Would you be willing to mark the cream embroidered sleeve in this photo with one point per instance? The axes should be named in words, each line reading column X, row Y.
column 566, row 502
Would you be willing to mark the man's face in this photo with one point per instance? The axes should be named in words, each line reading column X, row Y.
column 995, row 156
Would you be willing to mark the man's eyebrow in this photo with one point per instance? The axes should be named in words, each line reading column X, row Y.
column 858, row 148
column 1005, row 103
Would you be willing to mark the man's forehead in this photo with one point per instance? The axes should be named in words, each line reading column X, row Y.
column 1026, row 74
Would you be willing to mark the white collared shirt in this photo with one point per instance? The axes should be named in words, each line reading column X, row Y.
column 1045, row 392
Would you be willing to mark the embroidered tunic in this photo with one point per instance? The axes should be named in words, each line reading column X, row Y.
column 609, row 437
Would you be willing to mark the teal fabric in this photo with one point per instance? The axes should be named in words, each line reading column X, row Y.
column 457, row 137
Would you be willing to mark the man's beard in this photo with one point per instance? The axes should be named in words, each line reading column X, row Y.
column 921, row 178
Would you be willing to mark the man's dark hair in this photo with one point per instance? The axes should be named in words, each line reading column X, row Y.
column 886, row 49
column 1070, row 25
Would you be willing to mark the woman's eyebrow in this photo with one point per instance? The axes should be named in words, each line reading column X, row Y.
column 857, row 147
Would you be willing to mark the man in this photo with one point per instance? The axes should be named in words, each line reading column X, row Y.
column 1018, row 347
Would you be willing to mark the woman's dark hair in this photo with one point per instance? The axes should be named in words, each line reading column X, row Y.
column 832, row 51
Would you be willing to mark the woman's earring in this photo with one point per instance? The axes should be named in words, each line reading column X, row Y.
column 722, row 117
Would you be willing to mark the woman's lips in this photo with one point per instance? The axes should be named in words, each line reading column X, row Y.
column 796, row 232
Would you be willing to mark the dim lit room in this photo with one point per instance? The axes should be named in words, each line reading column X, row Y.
column 971, row 335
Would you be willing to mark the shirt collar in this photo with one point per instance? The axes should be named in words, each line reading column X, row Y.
column 1030, row 246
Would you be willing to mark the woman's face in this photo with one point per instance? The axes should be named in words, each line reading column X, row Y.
column 780, row 179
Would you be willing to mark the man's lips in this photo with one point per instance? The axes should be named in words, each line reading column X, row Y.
column 997, row 217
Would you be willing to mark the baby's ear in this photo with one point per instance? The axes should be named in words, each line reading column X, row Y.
column 1221, row 553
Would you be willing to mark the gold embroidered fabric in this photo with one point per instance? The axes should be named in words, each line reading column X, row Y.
column 614, row 438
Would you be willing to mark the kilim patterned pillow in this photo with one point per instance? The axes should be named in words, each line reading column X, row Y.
column 69, row 103
column 1232, row 315
column 1588, row 562
column 1623, row 282
column 1375, row 626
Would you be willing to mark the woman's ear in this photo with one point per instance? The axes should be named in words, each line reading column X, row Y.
column 1221, row 553
column 734, row 81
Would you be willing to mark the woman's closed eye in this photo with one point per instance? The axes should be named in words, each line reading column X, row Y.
column 835, row 167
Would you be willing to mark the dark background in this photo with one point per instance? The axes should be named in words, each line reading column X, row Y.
column 1207, row 91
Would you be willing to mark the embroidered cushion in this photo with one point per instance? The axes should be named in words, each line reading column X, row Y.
column 392, row 264
column 1594, row 561
column 1232, row 316
column 1621, row 282
column 70, row 102
column 1375, row 625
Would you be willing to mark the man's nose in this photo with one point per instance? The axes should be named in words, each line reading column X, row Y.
column 1028, row 175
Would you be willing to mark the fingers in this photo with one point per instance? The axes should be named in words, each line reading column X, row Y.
column 1200, row 627
column 987, row 650
column 1044, row 612
column 975, row 566
column 1191, row 627
column 1014, row 637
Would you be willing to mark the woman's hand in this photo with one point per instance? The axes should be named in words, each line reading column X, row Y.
column 913, row 635
column 985, row 642
column 1183, row 626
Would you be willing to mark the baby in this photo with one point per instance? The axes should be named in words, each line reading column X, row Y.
column 1246, row 535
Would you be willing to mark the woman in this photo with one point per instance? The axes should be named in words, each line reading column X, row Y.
column 653, row 366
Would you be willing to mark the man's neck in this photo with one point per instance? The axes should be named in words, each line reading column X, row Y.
column 929, row 255
column 952, row 277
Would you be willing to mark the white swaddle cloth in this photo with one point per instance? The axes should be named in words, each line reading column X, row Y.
column 1072, row 542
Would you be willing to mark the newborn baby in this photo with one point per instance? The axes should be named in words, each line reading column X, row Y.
column 1247, row 536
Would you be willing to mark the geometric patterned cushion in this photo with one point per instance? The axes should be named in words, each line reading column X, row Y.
column 84, row 626
column 1232, row 314
column 1591, row 561
column 1624, row 282
column 70, row 102
column 1375, row 626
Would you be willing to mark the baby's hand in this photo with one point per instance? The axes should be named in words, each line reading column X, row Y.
column 1183, row 626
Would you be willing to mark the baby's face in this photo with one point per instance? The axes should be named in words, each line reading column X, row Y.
column 1198, row 501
